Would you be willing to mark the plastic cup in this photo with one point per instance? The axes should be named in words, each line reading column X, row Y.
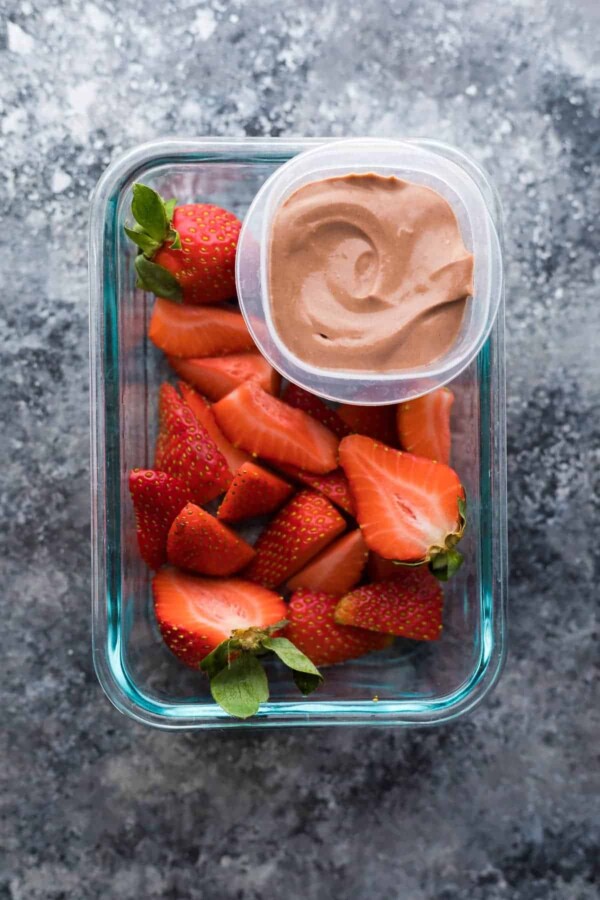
column 406, row 161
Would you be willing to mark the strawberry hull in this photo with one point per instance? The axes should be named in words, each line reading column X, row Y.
column 404, row 684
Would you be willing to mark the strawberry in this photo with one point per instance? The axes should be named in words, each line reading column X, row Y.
column 300, row 399
column 377, row 422
column 334, row 485
column 216, row 376
column 196, row 614
column 424, row 425
column 336, row 569
column 267, row 427
column 157, row 498
column 185, row 253
column 190, row 331
column 297, row 533
column 253, row 492
column 203, row 412
column 186, row 450
column 380, row 569
column 200, row 542
column 314, row 631
column 409, row 607
column 409, row 508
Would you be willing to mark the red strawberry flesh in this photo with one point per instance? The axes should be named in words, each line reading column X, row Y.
column 267, row 427
column 186, row 450
column 314, row 631
column 196, row 614
column 406, row 607
column 297, row 533
column 157, row 499
column 407, row 506
column 199, row 542
column 253, row 492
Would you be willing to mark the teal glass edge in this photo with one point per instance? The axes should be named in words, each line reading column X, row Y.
column 105, row 471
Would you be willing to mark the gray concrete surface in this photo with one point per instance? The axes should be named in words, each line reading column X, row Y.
column 499, row 805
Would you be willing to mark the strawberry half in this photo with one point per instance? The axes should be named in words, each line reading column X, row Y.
column 316, row 408
column 217, row 376
column 196, row 614
column 199, row 542
column 336, row 569
column 203, row 412
column 190, row 331
column 409, row 607
column 253, row 492
column 267, row 427
column 157, row 499
column 186, row 253
column 409, row 508
column 424, row 425
column 334, row 485
column 297, row 533
column 313, row 630
column 186, row 450
column 377, row 422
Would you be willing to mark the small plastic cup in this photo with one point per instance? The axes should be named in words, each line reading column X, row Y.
column 409, row 162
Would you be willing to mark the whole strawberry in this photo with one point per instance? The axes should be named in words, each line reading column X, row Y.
column 187, row 253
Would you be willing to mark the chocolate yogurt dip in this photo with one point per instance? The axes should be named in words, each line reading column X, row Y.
column 367, row 273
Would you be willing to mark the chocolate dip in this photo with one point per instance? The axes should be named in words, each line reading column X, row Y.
column 367, row 273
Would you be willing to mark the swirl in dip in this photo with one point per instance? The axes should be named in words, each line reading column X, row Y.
column 367, row 273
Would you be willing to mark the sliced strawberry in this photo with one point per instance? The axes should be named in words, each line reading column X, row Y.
column 409, row 607
column 199, row 542
column 297, row 533
column 409, row 508
column 192, row 331
column 377, row 422
column 203, row 412
column 336, row 569
column 253, row 492
column 316, row 408
column 216, row 376
column 196, row 614
column 157, row 498
column 380, row 569
column 186, row 450
column 424, row 425
column 334, row 485
column 267, row 427
column 314, row 631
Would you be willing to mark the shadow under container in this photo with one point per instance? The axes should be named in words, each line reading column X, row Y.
column 411, row 683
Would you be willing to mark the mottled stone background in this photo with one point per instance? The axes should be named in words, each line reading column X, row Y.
column 500, row 805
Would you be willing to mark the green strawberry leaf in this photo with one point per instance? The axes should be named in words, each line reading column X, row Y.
column 241, row 687
column 157, row 279
column 306, row 674
column 216, row 660
column 446, row 564
column 170, row 208
column 148, row 210
column 142, row 240
column 306, row 683
column 175, row 239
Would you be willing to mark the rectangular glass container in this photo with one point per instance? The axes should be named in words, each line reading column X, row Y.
column 411, row 683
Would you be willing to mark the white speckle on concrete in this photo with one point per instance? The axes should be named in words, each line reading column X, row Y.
column 60, row 181
column 204, row 24
column 18, row 40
